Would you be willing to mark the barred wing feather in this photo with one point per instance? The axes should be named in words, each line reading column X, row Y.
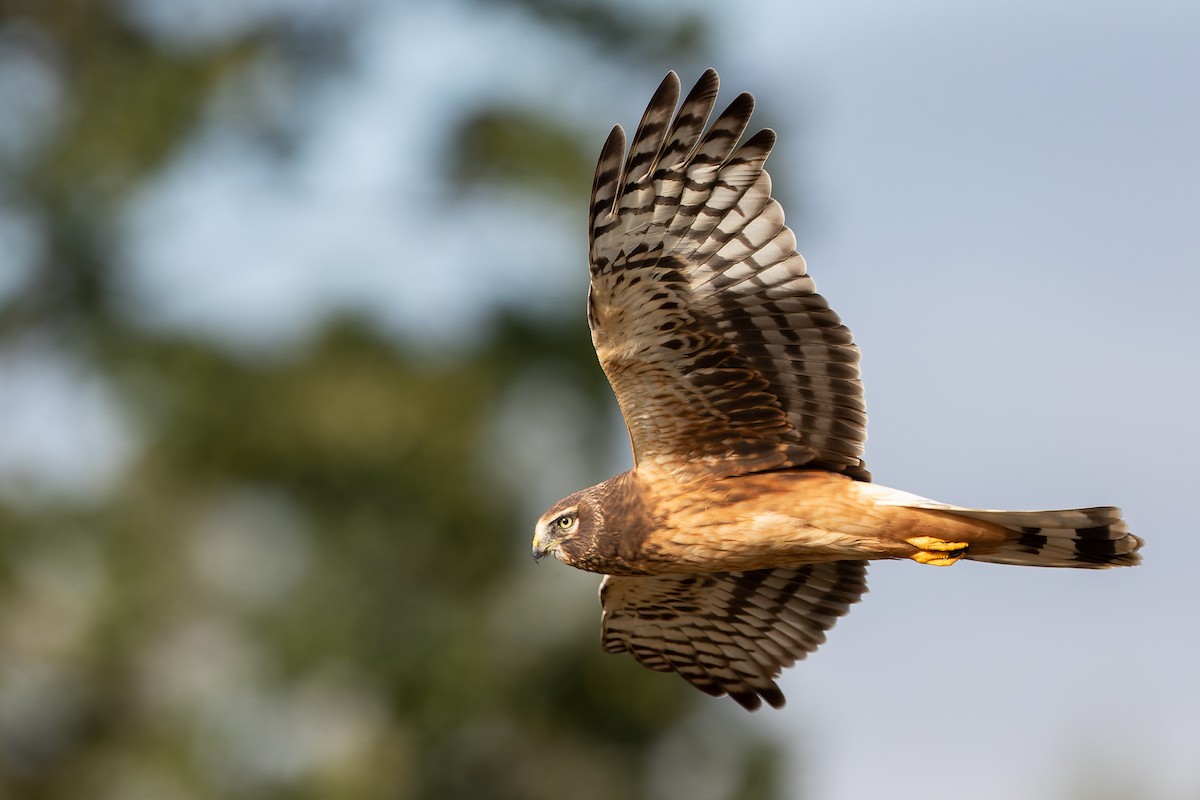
column 733, row 632
column 723, row 357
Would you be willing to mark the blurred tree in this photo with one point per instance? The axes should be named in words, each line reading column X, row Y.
column 310, row 580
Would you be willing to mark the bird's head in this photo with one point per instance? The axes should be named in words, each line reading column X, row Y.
column 566, row 529
column 600, row 529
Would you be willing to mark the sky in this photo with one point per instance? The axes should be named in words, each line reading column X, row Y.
column 999, row 198
column 1007, row 200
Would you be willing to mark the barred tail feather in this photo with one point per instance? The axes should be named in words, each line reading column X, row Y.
column 1089, row 538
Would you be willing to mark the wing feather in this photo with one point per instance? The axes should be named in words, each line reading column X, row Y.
column 733, row 632
column 723, row 357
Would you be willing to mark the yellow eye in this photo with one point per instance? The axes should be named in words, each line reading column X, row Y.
column 566, row 521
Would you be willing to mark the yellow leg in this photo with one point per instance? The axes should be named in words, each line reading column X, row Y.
column 936, row 552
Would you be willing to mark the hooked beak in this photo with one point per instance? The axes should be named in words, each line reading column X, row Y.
column 542, row 545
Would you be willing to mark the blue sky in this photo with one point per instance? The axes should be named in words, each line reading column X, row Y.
column 1000, row 199
column 1007, row 200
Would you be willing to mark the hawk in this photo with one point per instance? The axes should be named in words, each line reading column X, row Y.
column 744, row 529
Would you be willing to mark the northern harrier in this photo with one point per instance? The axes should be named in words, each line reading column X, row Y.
column 744, row 530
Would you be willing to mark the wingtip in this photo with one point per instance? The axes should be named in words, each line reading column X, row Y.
column 742, row 105
column 752, row 699
column 617, row 135
column 708, row 83
column 668, row 89
column 764, row 139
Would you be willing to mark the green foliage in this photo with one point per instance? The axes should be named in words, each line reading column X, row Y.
column 312, row 579
column 507, row 145
column 132, row 101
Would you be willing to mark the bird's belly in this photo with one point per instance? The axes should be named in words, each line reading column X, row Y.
column 767, row 540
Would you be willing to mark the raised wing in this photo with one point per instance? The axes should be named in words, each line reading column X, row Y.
column 722, row 356
column 729, row 632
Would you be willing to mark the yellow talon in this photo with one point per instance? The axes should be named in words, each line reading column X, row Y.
column 940, row 545
column 936, row 552
column 934, row 559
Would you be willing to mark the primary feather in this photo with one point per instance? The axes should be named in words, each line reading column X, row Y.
column 723, row 357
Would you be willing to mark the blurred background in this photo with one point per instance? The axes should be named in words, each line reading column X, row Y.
column 293, row 354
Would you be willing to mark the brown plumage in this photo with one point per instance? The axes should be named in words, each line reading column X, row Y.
column 744, row 529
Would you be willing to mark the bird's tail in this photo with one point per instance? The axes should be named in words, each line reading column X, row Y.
column 1092, row 538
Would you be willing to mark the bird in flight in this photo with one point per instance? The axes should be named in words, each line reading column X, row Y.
column 744, row 529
